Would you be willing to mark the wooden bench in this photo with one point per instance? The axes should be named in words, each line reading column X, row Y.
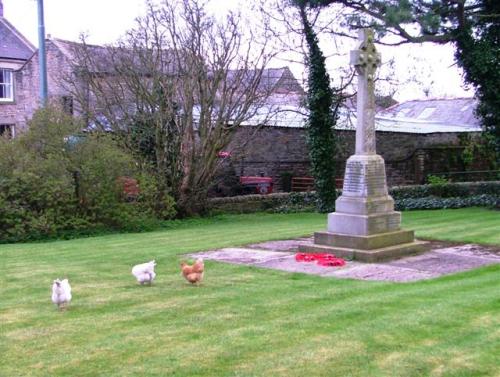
column 301, row 184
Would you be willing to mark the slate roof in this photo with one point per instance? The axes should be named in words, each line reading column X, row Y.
column 280, row 80
column 101, row 59
column 105, row 58
column 13, row 45
column 451, row 111
column 295, row 116
column 273, row 80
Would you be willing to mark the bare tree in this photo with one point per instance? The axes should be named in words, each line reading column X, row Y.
column 177, row 85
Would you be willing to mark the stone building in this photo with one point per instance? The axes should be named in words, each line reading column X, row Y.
column 22, row 99
column 415, row 138
column 19, row 77
column 15, row 52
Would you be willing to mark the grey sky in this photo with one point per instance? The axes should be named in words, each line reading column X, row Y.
column 105, row 20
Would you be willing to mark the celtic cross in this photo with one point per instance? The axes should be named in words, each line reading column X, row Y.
column 366, row 60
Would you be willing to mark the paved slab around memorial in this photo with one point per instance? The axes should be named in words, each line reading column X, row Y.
column 442, row 259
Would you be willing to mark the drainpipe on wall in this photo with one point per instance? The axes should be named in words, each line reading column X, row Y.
column 42, row 55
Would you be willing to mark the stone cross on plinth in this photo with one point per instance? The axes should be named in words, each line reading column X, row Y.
column 366, row 60
column 365, row 225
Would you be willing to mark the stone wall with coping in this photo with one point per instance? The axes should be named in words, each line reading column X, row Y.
column 272, row 151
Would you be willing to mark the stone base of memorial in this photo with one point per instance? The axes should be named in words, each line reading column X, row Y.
column 365, row 226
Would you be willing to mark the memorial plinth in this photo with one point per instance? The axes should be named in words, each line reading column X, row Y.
column 364, row 225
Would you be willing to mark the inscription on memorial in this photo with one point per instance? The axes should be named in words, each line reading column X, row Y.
column 365, row 179
column 354, row 178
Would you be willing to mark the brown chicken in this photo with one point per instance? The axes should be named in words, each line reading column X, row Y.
column 194, row 273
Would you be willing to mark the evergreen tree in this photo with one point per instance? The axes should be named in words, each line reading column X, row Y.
column 478, row 53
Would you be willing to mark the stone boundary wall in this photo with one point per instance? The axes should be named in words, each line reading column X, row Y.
column 272, row 151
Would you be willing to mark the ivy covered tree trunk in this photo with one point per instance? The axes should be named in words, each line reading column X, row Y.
column 322, row 119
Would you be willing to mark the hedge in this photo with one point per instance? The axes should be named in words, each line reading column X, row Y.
column 447, row 190
column 449, row 195
column 484, row 200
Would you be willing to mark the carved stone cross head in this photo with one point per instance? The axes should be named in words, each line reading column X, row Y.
column 366, row 59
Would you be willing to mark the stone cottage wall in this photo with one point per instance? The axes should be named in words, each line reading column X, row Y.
column 27, row 85
column 8, row 110
column 8, row 113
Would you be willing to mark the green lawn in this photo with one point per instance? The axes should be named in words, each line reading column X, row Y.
column 477, row 225
column 244, row 321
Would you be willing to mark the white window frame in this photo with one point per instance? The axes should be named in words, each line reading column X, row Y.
column 8, row 86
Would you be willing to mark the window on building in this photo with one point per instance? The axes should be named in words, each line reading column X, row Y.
column 67, row 104
column 426, row 113
column 7, row 130
column 403, row 113
column 6, row 85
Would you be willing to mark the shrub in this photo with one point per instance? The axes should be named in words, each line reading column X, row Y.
column 54, row 184
column 461, row 189
column 438, row 185
column 153, row 200
column 436, row 180
column 440, row 203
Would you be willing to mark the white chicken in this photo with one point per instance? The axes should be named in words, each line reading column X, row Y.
column 145, row 272
column 61, row 292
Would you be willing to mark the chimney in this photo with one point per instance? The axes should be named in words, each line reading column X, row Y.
column 1, row 8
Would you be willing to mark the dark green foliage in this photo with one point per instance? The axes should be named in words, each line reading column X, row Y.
column 448, row 190
column 321, row 101
column 478, row 150
column 443, row 203
column 478, row 53
column 54, row 186
column 438, row 195
column 154, row 135
column 439, row 185
column 141, row 138
column 298, row 202
column 152, row 200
